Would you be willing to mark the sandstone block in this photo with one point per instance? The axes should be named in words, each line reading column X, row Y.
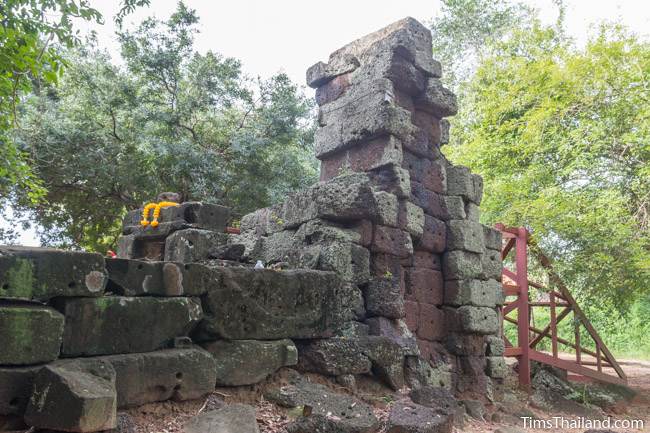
column 186, row 215
column 495, row 346
column 437, row 100
column 408, row 417
column 110, row 325
column 465, row 235
column 75, row 397
column 383, row 297
column 492, row 238
column 333, row 356
column 432, row 323
column 492, row 264
column 44, row 273
column 475, row 320
column 425, row 259
column 29, row 334
column 268, row 305
column 231, row 418
column 387, row 208
column 471, row 292
column 192, row 245
column 246, row 362
column 412, row 315
column 393, row 179
column 141, row 278
column 393, row 241
column 461, row 265
column 424, row 286
column 411, row 218
column 333, row 89
column 496, row 367
column 460, row 181
column 434, row 236
column 363, row 157
column 16, row 389
column 465, row 344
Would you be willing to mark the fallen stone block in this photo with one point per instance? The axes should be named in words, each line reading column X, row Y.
column 16, row 389
column 192, row 245
column 408, row 417
column 330, row 411
column 465, row 235
column 387, row 359
column 333, row 357
column 44, row 273
column 140, row 278
column 440, row 399
column 111, row 325
column 29, row 334
column 177, row 374
column 246, row 362
column 264, row 304
column 74, row 396
column 232, row 418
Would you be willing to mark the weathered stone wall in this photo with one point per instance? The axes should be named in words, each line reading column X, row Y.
column 392, row 216
column 380, row 270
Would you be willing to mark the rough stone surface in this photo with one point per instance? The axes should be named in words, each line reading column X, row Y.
column 333, row 356
column 178, row 374
column 269, row 305
column 465, row 235
column 29, row 334
column 75, row 397
column 424, row 285
column 44, row 273
column 233, row 418
column 409, row 417
column 383, row 298
column 330, row 412
column 440, row 399
column 186, row 215
column 461, row 265
column 246, row 362
column 390, row 240
column 16, row 389
column 477, row 320
column 139, row 278
column 192, row 245
column 387, row 358
column 111, row 325
column 472, row 292
column 496, row 367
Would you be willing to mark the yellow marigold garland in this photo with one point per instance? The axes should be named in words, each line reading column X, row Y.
column 156, row 212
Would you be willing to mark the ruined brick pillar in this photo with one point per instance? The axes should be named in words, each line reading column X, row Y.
column 381, row 111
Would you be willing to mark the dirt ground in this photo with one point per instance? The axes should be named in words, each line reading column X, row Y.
column 169, row 417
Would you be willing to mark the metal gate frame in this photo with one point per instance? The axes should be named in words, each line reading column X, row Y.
column 516, row 284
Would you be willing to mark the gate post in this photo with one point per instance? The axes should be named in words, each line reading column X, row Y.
column 523, row 316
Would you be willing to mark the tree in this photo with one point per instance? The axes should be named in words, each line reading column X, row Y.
column 109, row 138
column 31, row 32
column 561, row 136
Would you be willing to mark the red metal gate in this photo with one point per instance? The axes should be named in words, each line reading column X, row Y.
column 516, row 284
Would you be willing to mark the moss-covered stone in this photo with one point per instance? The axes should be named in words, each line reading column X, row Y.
column 29, row 334
column 44, row 273
column 119, row 324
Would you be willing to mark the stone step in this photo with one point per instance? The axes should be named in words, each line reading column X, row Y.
column 121, row 324
column 44, row 273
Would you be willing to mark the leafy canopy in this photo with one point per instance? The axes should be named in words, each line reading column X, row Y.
column 109, row 138
column 561, row 136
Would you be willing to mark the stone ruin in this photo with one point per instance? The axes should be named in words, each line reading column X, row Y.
column 379, row 271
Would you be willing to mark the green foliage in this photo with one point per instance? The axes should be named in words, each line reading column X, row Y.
column 109, row 138
column 561, row 136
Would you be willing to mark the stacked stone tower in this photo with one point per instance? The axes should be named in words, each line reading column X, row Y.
column 391, row 215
